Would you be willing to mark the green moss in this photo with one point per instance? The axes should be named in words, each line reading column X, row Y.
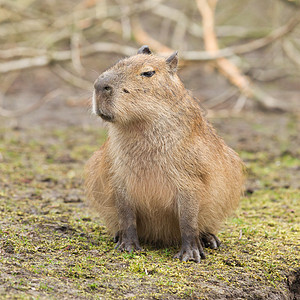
column 52, row 247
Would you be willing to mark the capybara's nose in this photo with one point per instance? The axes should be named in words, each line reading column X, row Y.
column 101, row 86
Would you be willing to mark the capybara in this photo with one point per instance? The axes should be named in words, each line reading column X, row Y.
column 163, row 176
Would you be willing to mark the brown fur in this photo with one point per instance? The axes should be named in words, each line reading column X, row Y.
column 162, row 156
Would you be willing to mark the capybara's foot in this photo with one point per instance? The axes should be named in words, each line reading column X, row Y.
column 209, row 240
column 116, row 237
column 191, row 250
column 128, row 246
column 127, row 240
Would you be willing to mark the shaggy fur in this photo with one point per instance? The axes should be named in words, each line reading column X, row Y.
column 162, row 156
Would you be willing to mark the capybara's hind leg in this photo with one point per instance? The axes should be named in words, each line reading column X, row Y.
column 210, row 240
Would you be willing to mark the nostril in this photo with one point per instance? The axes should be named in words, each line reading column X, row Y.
column 107, row 88
column 104, row 85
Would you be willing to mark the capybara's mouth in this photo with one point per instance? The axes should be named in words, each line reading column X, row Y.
column 107, row 118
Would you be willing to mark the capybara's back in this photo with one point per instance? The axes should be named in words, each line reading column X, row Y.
column 163, row 176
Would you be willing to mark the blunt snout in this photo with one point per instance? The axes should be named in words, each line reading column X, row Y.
column 102, row 97
column 103, row 86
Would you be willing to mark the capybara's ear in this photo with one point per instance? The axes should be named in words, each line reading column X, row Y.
column 172, row 61
column 144, row 50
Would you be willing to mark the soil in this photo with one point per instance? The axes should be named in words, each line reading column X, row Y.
column 53, row 247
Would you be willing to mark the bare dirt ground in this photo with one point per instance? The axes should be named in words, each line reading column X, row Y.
column 52, row 247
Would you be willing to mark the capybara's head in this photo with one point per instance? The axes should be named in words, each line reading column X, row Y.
column 137, row 88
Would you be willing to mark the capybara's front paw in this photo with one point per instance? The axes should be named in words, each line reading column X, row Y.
column 127, row 241
column 191, row 250
column 209, row 240
column 128, row 246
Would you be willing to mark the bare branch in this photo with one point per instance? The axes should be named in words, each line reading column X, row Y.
column 7, row 81
column 240, row 103
column 25, row 26
column 110, row 12
column 20, row 112
column 213, row 102
column 21, row 51
column 273, row 36
column 125, row 20
column 71, row 79
column 195, row 29
column 143, row 38
column 226, row 67
column 44, row 60
column 174, row 15
column 179, row 34
column 292, row 53
column 75, row 52
column 247, row 47
column 24, row 63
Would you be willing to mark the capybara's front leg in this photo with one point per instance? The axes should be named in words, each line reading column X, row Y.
column 126, row 237
column 191, row 248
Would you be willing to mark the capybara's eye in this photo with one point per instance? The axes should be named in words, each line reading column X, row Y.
column 148, row 74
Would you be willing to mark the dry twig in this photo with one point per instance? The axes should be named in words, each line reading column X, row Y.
column 292, row 53
column 71, row 79
column 226, row 67
column 143, row 38
column 57, row 56
column 20, row 112
column 42, row 57
column 221, row 98
column 247, row 47
column 90, row 17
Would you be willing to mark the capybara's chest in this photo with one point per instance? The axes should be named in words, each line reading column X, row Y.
column 148, row 184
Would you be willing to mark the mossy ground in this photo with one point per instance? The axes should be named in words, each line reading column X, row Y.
column 52, row 247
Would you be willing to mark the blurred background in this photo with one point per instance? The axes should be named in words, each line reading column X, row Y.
column 240, row 59
column 236, row 56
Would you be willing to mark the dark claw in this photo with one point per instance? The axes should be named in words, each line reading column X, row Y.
column 192, row 250
column 128, row 246
column 127, row 241
column 209, row 240
column 116, row 237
